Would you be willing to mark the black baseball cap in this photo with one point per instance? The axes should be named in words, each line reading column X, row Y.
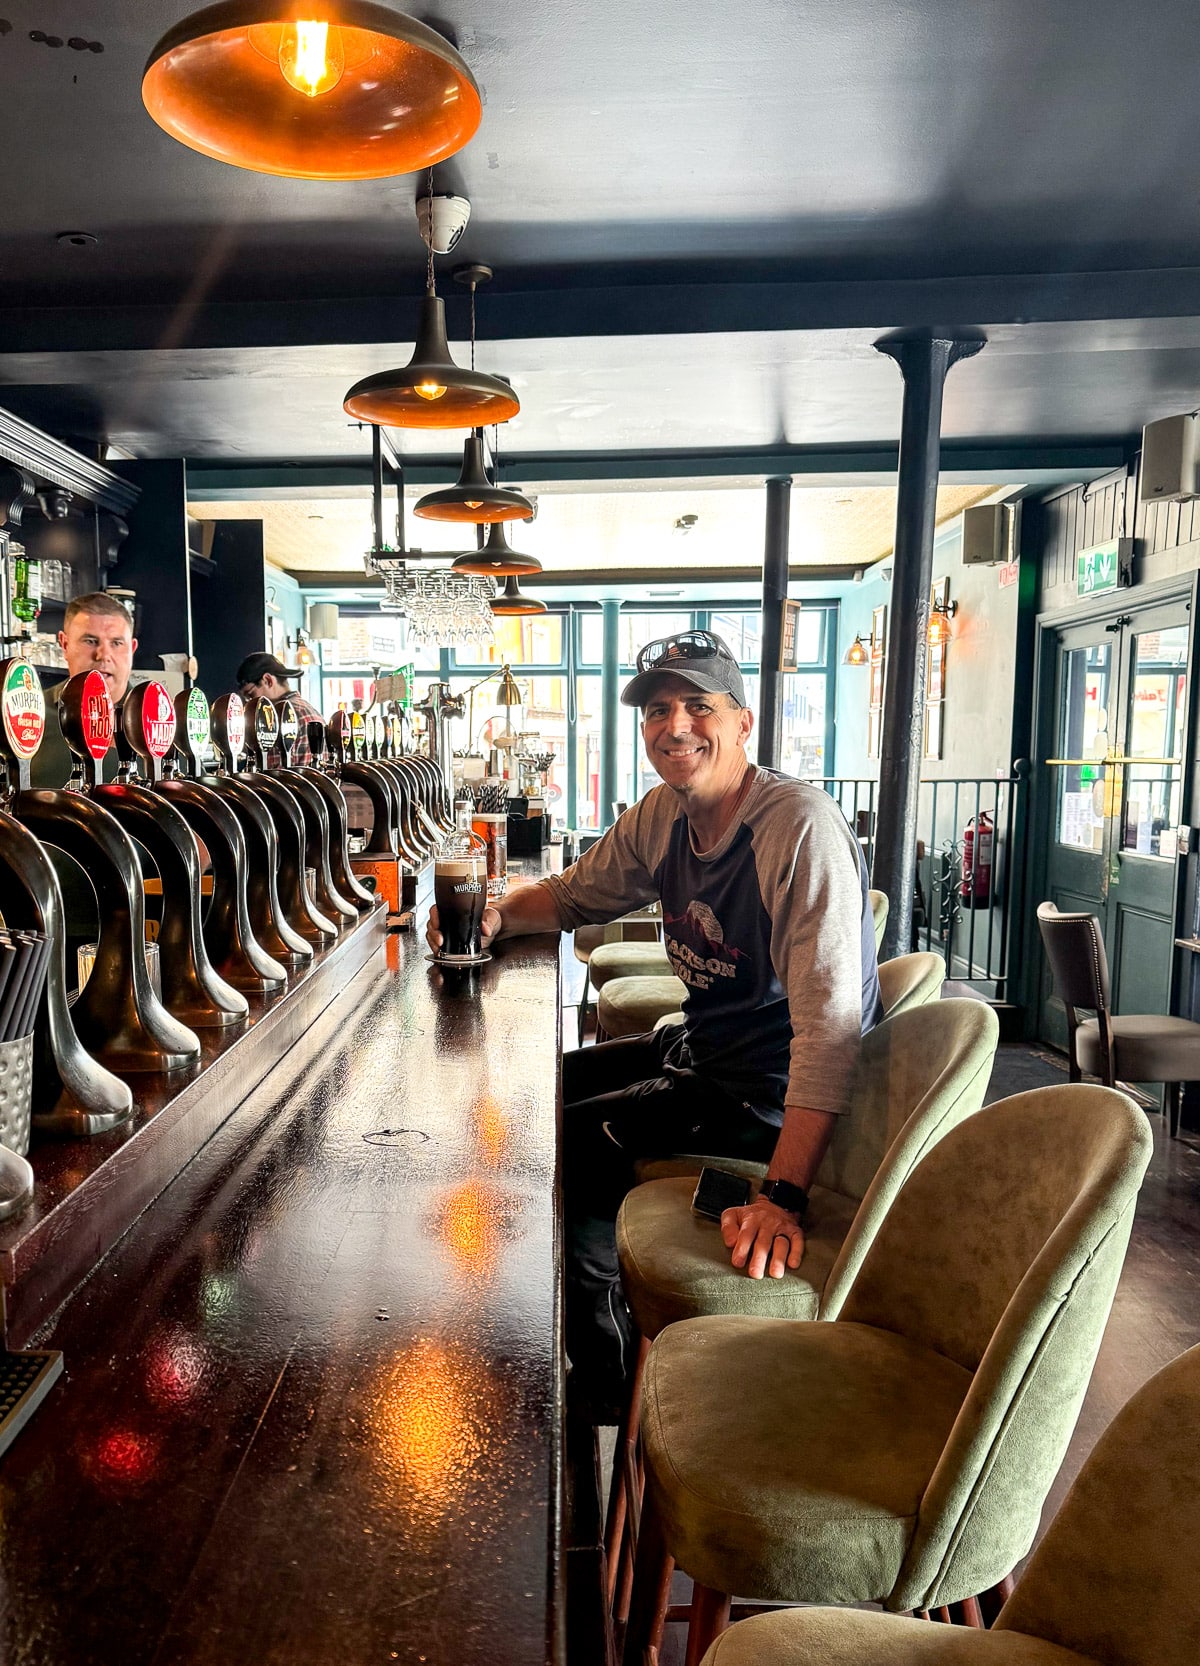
column 256, row 666
column 701, row 658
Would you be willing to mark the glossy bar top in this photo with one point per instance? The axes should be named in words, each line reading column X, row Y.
column 312, row 1402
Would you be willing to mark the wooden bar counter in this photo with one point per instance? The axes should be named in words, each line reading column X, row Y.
column 312, row 1402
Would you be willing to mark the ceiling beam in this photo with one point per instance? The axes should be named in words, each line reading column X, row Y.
column 574, row 303
column 998, row 463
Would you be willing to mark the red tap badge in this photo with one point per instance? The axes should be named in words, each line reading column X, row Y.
column 96, row 715
column 22, row 707
column 235, row 724
column 158, row 718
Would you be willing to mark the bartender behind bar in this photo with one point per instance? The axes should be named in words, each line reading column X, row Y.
column 267, row 677
column 97, row 635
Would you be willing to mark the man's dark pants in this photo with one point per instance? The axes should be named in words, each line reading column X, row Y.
column 623, row 1101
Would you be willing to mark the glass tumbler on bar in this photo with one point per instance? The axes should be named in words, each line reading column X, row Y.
column 493, row 830
column 460, row 893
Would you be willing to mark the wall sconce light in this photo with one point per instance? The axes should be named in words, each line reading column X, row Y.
column 940, row 615
column 304, row 654
column 856, row 653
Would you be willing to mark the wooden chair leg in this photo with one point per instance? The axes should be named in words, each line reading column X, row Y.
column 615, row 1528
column 1172, row 1104
column 968, row 1613
column 710, row 1616
column 651, row 1592
column 993, row 1600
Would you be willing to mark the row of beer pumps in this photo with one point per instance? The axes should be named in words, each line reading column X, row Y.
column 282, row 884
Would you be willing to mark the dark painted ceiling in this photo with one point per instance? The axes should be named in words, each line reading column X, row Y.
column 702, row 215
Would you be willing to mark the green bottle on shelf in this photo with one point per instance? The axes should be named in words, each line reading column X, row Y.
column 26, row 585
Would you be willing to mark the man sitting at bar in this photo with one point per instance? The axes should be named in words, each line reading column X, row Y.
column 766, row 920
column 267, row 677
column 97, row 635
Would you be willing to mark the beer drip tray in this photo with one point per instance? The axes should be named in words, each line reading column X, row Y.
column 25, row 1381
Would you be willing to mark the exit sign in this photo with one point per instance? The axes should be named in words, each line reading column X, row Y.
column 1103, row 567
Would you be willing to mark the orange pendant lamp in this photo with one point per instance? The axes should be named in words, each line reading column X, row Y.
column 474, row 498
column 497, row 558
column 312, row 89
column 512, row 601
column 432, row 391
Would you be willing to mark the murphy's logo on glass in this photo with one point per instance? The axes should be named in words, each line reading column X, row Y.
column 158, row 719
column 96, row 715
column 470, row 886
column 22, row 708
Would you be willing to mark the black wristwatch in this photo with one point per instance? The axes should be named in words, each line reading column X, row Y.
column 792, row 1198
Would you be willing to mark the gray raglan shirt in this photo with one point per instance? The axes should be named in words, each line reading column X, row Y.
column 771, row 931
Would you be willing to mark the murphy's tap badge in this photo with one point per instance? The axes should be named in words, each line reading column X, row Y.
column 229, row 729
column 22, row 708
column 85, row 710
column 193, row 729
column 289, row 730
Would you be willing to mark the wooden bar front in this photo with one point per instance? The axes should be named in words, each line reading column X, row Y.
column 312, row 1408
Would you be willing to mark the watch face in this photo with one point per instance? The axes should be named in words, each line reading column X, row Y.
column 22, row 708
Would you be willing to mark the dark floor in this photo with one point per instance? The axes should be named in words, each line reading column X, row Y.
column 1156, row 1314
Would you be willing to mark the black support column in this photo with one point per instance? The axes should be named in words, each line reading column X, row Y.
column 774, row 590
column 923, row 363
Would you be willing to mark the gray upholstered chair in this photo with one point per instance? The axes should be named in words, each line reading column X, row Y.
column 1138, row 1047
column 901, row 1454
column 1111, row 1583
column 632, row 1006
column 919, row 1074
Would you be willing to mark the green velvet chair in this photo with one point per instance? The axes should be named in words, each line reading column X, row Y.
column 919, row 1074
column 902, row 1453
column 879, row 913
column 1113, row 1582
column 643, row 925
column 632, row 1006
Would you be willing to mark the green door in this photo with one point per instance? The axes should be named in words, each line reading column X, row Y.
column 1116, row 771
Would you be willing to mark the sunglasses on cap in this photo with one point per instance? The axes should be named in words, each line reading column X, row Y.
column 685, row 645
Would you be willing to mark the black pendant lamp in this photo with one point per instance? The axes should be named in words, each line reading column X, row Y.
column 512, row 601
column 497, row 558
column 432, row 391
column 474, row 498
column 312, row 89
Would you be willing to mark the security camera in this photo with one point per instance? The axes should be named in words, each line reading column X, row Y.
column 442, row 221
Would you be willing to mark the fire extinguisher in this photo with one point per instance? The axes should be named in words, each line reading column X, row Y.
column 976, row 886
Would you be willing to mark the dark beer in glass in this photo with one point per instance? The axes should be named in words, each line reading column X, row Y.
column 460, row 893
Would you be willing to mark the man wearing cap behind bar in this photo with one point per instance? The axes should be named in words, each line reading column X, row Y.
column 766, row 920
column 263, row 675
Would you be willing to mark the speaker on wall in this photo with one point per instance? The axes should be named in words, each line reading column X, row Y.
column 1169, row 460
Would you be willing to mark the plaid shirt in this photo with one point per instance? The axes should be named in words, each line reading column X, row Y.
column 307, row 713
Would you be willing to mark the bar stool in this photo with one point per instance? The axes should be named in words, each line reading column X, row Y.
column 642, row 925
column 1098, row 1588
column 632, row 1006
column 901, row 1454
column 919, row 1074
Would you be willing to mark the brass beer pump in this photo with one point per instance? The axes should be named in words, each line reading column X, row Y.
column 271, row 925
column 235, row 952
column 191, row 987
column 339, row 822
column 318, row 831
column 117, row 1016
column 73, row 1093
column 262, row 733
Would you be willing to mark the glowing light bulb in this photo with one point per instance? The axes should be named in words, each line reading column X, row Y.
column 474, row 503
column 311, row 57
column 430, row 390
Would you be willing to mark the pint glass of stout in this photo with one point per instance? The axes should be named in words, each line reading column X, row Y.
column 460, row 893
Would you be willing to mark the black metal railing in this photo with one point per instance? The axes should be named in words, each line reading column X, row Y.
column 965, row 908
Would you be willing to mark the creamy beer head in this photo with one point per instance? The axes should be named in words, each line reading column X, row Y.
column 460, row 894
